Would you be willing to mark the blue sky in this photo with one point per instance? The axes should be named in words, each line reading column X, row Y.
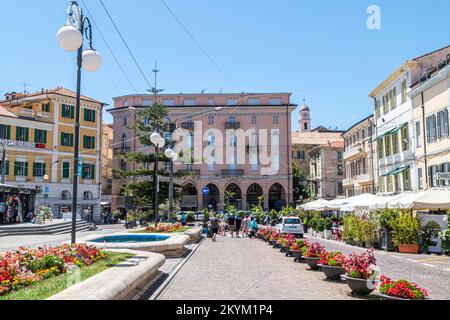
column 318, row 50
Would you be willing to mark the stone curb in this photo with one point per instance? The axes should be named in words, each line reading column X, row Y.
column 121, row 282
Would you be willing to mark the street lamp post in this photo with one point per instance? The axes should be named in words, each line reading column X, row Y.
column 70, row 38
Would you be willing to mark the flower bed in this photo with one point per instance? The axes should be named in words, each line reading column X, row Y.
column 26, row 266
column 166, row 228
column 402, row 289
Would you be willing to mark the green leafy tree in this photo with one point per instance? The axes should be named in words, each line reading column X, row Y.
column 300, row 190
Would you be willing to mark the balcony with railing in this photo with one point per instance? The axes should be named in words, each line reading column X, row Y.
column 356, row 150
column 232, row 172
column 232, row 125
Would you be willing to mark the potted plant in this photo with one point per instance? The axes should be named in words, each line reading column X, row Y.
column 360, row 274
column 289, row 240
column 406, row 232
column 321, row 227
column 312, row 255
column 297, row 249
column 428, row 233
column 444, row 236
column 385, row 219
column 332, row 264
column 327, row 224
column 400, row 290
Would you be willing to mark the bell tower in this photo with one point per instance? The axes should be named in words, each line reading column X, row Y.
column 304, row 118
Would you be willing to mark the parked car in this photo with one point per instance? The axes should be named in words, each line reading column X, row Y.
column 291, row 225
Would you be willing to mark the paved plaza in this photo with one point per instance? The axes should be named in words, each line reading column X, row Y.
column 241, row 269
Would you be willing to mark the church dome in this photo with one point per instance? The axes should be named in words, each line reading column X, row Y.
column 304, row 108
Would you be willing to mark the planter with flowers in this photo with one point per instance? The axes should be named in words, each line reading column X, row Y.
column 312, row 255
column 332, row 264
column 406, row 232
column 400, row 290
column 360, row 274
column 274, row 239
column 286, row 244
column 298, row 249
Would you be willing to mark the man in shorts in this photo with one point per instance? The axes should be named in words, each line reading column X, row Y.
column 214, row 225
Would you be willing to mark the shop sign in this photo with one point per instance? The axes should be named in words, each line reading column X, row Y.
column 22, row 144
column 443, row 175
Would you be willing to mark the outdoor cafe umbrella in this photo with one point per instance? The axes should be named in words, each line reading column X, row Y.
column 336, row 204
column 360, row 202
column 382, row 201
column 315, row 205
column 425, row 200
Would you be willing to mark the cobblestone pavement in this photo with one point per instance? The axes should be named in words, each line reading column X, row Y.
column 241, row 269
column 10, row 243
column 429, row 271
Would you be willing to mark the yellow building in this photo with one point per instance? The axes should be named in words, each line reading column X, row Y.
column 431, row 103
column 106, row 165
column 38, row 132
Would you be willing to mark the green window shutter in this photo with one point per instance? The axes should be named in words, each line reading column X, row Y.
column 8, row 132
column 62, row 138
column 26, row 169
column 66, row 170
column 93, row 115
column 18, row 129
column 34, row 169
column 93, row 143
column 85, row 112
column 45, row 136
column 71, row 139
column 72, row 111
column 62, row 110
column 92, row 171
column 84, row 141
column 16, row 166
column 44, row 169
column 7, row 168
column 27, row 133
column 36, row 132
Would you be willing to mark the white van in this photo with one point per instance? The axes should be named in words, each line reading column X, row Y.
column 290, row 225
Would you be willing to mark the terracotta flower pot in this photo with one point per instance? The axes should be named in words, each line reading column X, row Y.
column 312, row 263
column 408, row 248
column 331, row 272
column 360, row 286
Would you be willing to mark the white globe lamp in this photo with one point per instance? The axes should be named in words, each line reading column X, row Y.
column 92, row 60
column 169, row 153
column 175, row 156
column 155, row 137
column 161, row 142
column 69, row 38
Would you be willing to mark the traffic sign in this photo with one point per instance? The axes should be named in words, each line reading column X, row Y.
column 46, row 190
column 205, row 191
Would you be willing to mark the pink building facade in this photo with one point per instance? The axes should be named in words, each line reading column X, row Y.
column 249, row 133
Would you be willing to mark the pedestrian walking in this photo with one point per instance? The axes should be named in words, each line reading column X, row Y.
column 222, row 227
column 214, row 226
column 238, row 225
column 245, row 223
column 232, row 224
column 183, row 219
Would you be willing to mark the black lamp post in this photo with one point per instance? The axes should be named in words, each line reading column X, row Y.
column 70, row 38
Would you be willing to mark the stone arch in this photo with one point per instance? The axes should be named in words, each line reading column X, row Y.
column 189, row 194
column 212, row 200
column 236, row 201
column 277, row 197
column 253, row 192
column 65, row 195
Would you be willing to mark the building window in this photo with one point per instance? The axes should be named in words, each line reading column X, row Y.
column 20, row 169
column 5, row 131
column 125, row 103
column 40, row 136
column 89, row 115
column 38, row 169
column 210, row 119
column 420, row 178
column 189, row 102
column 147, row 102
column 340, row 170
column 67, row 111
column 418, row 134
column 211, row 139
column 124, row 121
column 340, row 188
column 88, row 142
column 123, row 165
column 65, row 195
column 431, row 128
column 394, row 98
column 232, row 101
column 211, row 102
column 385, row 104
column 275, row 119
column 275, row 101
column 66, row 170
column 404, row 91
column 88, row 171
column 387, row 145
column 406, row 180
column 253, row 119
column 6, row 167
column 87, row 195
column 396, row 183
column 380, row 149
column 147, row 121
column 301, row 154
column 253, row 101
column 405, row 138
column 45, row 107
column 66, row 139
column 340, row 155
column 22, row 134
column 394, row 142
column 442, row 124
column 232, row 119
